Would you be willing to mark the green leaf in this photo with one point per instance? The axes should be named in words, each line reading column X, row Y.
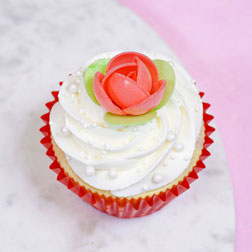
column 98, row 66
column 165, row 72
column 129, row 120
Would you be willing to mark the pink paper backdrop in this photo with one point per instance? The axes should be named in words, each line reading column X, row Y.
column 214, row 41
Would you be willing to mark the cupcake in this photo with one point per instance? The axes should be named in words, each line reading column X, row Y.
column 127, row 132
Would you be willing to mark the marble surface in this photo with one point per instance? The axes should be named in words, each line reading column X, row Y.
column 40, row 43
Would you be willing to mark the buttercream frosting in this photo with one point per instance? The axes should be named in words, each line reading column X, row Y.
column 133, row 159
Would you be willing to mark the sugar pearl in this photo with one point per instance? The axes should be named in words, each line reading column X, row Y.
column 157, row 178
column 140, row 149
column 173, row 156
column 135, row 129
column 171, row 137
column 187, row 157
column 72, row 88
column 126, row 141
column 145, row 187
column 179, row 147
column 153, row 127
column 113, row 174
column 105, row 146
column 65, row 131
column 171, row 63
column 90, row 170
column 140, row 169
column 165, row 163
column 94, row 125
column 84, row 125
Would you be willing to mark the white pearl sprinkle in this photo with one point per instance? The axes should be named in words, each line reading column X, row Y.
column 153, row 127
column 126, row 141
column 78, row 73
column 157, row 178
column 68, row 158
column 145, row 187
column 171, row 137
column 171, row 63
column 179, row 147
column 80, row 90
column 82, row 153
column 90, row 170
column 65, row 131
column 187, row 157
column 156, row 133
column 106, row 147
column 140, row 149
column 135, row 129
column 78, row 81
column 165, row 163
column 104, row 152
column 94, row 125
column 173, row 156
column 72, row 88
column 113, row 174
column 75, row 101
column 168, row 129
column 140, row 169
column 84, row 125
column 51, row 122
column 89, row 157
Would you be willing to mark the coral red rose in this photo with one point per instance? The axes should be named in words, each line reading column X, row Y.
column 130, row 85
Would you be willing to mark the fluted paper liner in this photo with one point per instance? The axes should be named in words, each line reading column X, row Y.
column 123, row 207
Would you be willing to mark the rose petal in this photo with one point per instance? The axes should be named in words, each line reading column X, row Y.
column 124, row 91
column 148, row 104
column 124, row 69
column 102, row 97
column 155, row 86
column 132, row 75
column 143, row 76
column 127, row 57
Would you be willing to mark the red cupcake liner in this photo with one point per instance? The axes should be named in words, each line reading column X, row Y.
column 122, row 207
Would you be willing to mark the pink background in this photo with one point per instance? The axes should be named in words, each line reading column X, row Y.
column 214, row 41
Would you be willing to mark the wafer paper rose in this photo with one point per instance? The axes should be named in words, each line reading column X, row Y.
column 129, row 84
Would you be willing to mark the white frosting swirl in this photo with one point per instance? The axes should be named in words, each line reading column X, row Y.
column 127, row 160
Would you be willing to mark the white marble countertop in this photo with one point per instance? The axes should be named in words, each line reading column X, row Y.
column 40, row 43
